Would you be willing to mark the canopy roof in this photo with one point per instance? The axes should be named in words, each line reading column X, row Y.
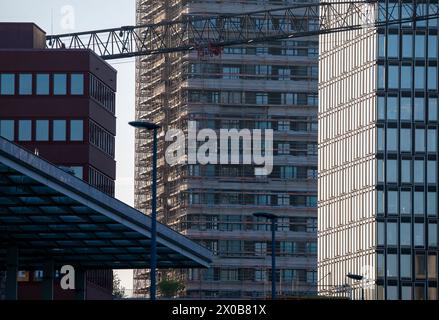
column 51, row 215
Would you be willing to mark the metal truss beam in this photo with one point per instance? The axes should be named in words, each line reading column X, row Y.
column 198, row 31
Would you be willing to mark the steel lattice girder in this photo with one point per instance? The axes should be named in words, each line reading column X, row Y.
column 195, row 31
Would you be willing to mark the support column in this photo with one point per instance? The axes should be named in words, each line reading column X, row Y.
column 11, row 274
column 48, row 277
column 80, row 284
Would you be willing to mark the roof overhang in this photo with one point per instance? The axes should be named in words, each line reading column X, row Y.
column 49, row 214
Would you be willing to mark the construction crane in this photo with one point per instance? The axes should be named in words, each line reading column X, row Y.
column 203, row 30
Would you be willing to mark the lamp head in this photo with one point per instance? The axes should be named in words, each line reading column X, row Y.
column 143, row 124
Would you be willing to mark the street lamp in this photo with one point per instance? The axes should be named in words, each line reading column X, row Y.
column 273, row 218
column 357, row 277
column 152, row 127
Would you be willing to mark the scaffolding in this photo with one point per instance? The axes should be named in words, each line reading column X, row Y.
column 235, row 87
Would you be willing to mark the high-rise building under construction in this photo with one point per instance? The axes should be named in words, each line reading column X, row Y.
column 254, row 86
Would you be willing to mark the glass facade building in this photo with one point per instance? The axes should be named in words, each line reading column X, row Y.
column 378, row 167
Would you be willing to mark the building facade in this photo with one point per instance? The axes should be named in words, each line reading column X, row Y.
column 59, row 104
column 377, row 214
column 271, row 85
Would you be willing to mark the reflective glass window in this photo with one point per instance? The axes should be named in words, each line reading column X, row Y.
column 406, row 173
column 59, row 130
column 419, row 234
column 25, row 84
column 418, row 202
column 406, row 140
column 392, row 202
column 406, row 266
column 392, row 171
column 7, row 129
column 406, row 234
column 42, row 130
column 60, row 84
column 406, row 202
column 25, row 130
column 76, row 130
column 419, row 140
column 42, row 84
column 406, row 108
column 77, row 84
column 7, row 84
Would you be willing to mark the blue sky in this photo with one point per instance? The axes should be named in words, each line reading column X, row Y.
column 59, row 16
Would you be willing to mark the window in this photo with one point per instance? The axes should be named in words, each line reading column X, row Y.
column 431, row 204
column 381, row 108
column 407, row 45
column 432, row 267
column 380, row 233
column 25, row 130
column 393, row 77
column 432, row 234
column 406, row 108
column 7, row 84
column 25, row 84
column 418, row 202
column 392, row 108
column 432, row 46
column 406, row 140
column 76, row 130
column 392, row 171
column 77, row 84
column 392, row 265
column 283, row 125
column 283, row 148
column 406, row 292
column 420, row 46
column 380, row 139
column 420, row 77
column 420, row 266
column 405, row 202
column 59, row 130
column 419, row 109
column 283, row 200
column 419, row 171
column 419, row 234
column 380, row 202
column 406, row 234
column 431, row 140
column 392, row 202
column 392, row 234
column 432, row 78
column 7, row 129
column 380, row 170
column 392, row 140
column 392, row 45
column 419, row 140
column 406, row 266
column 42, row 130
column 42, row 84
column 431, row 171
column 406, row 77
column 406, row 172
column 59, row 84
column 432, row 109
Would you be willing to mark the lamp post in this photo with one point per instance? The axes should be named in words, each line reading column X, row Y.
column 357, row 277
column 273, row 218
column 152, row 127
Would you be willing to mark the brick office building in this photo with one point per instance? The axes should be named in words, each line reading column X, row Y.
column 59, row 104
